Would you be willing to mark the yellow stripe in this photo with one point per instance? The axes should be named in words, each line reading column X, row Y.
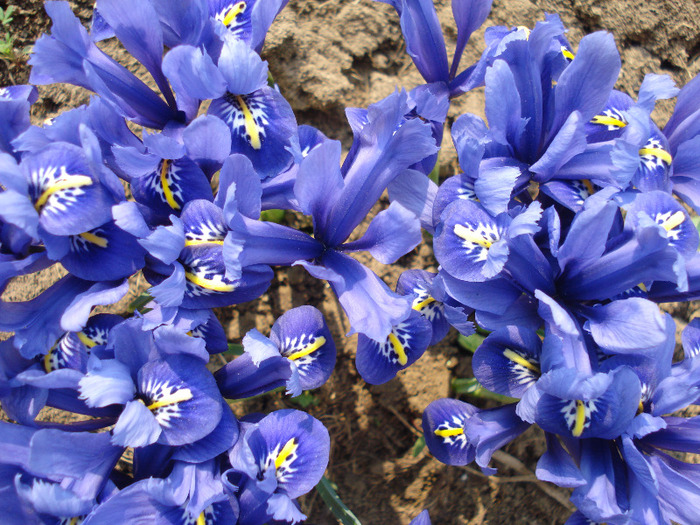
column 95, row 239
column 449, row 432
column 198, row 242
column 674, row 220
column 308, row 349
column 288, row 448
column 250, row 126
column 423, row 304
column 470, row 236
column 233, row 13
column 658, row 153
column 72, row 181
column 47, row 361
column 580, row 419
column 517, row 358
column 201, row 519
column 209, row 284
column 568, row 54
column 184, row 394
column 86, row 340
column 588, row 186
column 169, row 197
column 604, row 120
column 398, row 348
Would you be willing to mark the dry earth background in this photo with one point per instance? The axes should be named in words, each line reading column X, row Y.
column 329, row 54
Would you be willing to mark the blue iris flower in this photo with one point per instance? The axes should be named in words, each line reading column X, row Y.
column 387, row 144
column 277, row 459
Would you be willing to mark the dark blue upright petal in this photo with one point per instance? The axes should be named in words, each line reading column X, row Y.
column 135, row 24
column 262, row 16
column 208, row 143
column 384, row 147
column 569, row 141
column 69, row 55
column 503, row 106
column 392, row 233
column 683, row 124
column 564, row 344
column 15, row 118
column 585, row 85
column 557, row 466
column 679, row 486
column 192, row 72
column 686, row 173
column 242, row 68
column 424, row 41
column 319, row 182
column 240, row 189
column 415, row 192
column 468, row 15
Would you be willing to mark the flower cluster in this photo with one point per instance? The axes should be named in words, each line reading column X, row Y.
column 567, row 226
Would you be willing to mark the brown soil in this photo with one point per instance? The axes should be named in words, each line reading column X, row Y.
column 329, row 54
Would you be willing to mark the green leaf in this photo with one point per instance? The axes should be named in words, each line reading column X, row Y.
column 434, row 174
column 272, row 216
column 327, row 489
column 234, row 349
column 471, row 387
column 139, row 303
column 6, row 16
column 470, row 343
column 305, row 400
column 270, row 79
column 418, row 446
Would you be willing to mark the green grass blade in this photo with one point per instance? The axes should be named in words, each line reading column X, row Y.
column 327, row 489
column 471, row 387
